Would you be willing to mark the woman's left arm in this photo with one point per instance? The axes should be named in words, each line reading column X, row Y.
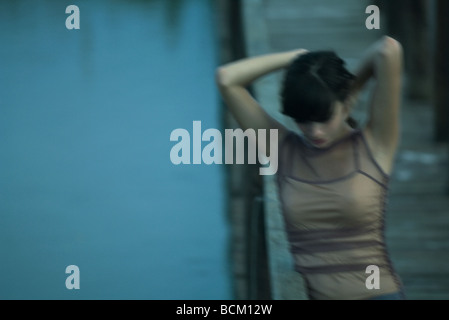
column 384, row 117
column 383, row 62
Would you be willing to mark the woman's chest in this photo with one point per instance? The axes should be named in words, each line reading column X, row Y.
column 349, row 202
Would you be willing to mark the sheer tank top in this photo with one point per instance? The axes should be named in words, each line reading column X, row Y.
column 333, row 203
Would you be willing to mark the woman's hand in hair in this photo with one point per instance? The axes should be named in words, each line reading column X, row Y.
column 232, row 80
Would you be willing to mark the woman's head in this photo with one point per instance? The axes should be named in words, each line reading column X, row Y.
column 315, row 94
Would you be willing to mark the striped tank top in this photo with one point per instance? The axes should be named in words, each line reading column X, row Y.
column 333, row 202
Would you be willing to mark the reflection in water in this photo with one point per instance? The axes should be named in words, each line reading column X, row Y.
column 173, row 8
column 86, row 177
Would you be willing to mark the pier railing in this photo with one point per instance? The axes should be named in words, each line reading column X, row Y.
column 284, row 282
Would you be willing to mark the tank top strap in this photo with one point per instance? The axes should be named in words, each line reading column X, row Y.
column 285, row 151
column 355, row 145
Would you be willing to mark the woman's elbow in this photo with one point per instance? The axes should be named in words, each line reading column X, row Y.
column 221, row 77
column 391, row 48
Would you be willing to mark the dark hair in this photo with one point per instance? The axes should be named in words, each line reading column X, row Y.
column 312, row 83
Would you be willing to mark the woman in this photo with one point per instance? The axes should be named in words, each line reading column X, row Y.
column 332, row 179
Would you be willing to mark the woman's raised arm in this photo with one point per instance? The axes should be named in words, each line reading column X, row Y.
column 383, row 62
column 232, row 80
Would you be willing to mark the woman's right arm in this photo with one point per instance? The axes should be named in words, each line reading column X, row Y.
column 232, row 80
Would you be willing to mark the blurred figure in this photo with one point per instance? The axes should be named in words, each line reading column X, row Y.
column 332, row 179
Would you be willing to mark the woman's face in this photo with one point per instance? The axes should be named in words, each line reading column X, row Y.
column 323, row 134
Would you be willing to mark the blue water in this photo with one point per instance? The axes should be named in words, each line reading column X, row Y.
column 85, row 171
